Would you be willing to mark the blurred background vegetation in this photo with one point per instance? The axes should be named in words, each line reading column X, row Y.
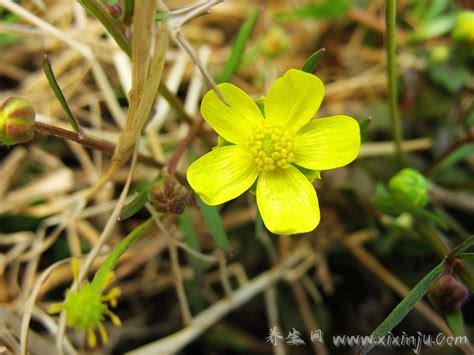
column 372, row 245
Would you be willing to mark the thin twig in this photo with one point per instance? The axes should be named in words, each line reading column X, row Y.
column 173, row 250
column 104, row 147
column 181, row 148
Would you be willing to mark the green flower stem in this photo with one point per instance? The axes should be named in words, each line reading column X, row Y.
column 110, row 262
column 440, row 247
column 114, row 27
column 390, row 20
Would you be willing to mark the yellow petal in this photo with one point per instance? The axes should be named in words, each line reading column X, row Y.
column 222, row 174
column 327, row 143
column 103, row 333
column 236, row 122
column 287, row 201
column 294, row 99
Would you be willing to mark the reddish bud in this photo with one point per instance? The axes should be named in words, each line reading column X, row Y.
column 447, row 293
column 17, row 121
column 115, row 10
column 169, row 196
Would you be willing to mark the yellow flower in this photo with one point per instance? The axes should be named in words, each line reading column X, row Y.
column 270, row 149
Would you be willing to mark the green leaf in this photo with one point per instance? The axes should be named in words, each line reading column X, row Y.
column 434, row 28
column 8, row 38
column 192, row 241
column 116, row 29
column 312, row 62
column 214, row 225
column 461, row 248
column 238, row 48
column 327, row 9
column 48, row 71
column 452, row 78
column 456, row 156
column 456, row 323
column 435, row 9
column 405, row 306
column 139, row 201
column 364, row 123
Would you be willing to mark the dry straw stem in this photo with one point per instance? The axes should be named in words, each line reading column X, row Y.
column 173, row 251
column 177, row 341
column 149, row 43
column 85, row 51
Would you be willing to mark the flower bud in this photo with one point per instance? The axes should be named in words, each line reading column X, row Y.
column 464, row 28
column 169, row 196
column 275, row 42
column 17, row 120
column 447, row 294
column 409, row 188
column 115, row 10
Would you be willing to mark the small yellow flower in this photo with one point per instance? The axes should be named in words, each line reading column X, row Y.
column 270, row 149
column 87, row 306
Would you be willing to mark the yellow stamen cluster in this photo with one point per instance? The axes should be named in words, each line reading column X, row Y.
column 271, row 147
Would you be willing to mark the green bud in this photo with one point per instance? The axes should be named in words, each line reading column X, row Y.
column 17, row 121
column 275, row 42
column 169, row 196
column 447, row 294
column 409, row 188
column 464, row 28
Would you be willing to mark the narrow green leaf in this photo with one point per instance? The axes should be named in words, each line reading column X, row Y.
column 456, row 156
column 113, row 26
column 405, row 306
column 192, row 241
column 364, row 123
column 214, row 225
column 48, row 71
column 238, row 48
column 139, row 201
column 456, row 323
column 8, row 38
column 312, row 62
column 461, row 248
column 435, row 28
column 327, row 9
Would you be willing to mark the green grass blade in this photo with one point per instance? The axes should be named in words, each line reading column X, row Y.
column 192, row 241
column 239, row 47
column 312, row 62
column 457, row 155
column 456, row 323
column 214, row 225
column 113, row 26
column 461, row 248
column 53, row 83
column 405, row 306
column 139, row 201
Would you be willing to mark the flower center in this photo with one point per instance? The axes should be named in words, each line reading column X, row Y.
column 270, row 147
